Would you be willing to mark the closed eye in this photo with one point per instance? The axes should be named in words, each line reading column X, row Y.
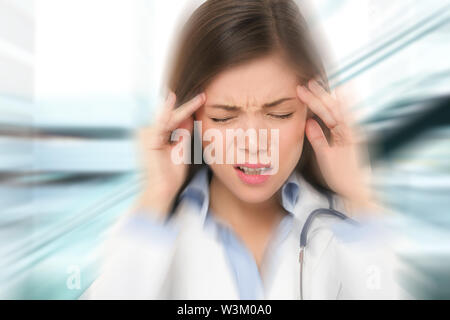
column 281, row 116
column 221, row 119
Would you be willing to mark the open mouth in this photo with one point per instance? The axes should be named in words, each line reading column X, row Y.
column 253, row 171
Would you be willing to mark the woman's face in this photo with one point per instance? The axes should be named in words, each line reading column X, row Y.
column 260, row 94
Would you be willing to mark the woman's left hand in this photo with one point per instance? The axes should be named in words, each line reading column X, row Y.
column 339, row 161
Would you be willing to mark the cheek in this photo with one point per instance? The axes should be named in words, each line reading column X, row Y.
column 205, row 123
column 215, row 136
column 291, row 140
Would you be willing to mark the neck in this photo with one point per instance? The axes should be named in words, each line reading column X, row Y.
column 240, row 214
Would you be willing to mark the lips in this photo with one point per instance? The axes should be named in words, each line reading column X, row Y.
column 252, row 173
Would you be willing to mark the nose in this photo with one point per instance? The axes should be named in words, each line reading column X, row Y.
column 254, row 131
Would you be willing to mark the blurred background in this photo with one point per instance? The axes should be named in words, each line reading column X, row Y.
column 78, row 77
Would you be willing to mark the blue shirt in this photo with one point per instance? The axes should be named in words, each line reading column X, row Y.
column 247, row 276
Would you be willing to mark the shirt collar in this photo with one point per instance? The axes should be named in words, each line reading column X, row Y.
column 198, row 191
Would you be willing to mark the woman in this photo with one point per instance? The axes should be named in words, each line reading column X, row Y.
column 232, row 229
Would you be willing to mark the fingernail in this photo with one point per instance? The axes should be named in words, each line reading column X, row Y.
column 313, row 83
column 200, row 97
column 170, row 96
column 319, row 84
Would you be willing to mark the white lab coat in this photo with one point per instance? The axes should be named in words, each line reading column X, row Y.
column 340, row 261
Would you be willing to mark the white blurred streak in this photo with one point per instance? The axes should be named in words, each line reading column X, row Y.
column 86, row 47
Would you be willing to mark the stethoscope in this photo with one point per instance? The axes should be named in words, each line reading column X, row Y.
column 304, row 233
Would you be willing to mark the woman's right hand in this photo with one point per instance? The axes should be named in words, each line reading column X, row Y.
column 163, row 178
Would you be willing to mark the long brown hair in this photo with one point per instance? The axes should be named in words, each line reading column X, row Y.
column 224, row 33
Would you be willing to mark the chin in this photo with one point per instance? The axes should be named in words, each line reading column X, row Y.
column 251, row 194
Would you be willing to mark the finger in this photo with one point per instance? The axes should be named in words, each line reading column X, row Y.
column 164, row 114
column 152, row 139
column 186, row 110
column 316, row 137
column 327, row 99
column 187, row 124
column 161, row 133
column 316, row 105
column 334, row 95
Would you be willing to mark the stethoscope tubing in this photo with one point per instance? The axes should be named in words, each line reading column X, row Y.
column 304, row 233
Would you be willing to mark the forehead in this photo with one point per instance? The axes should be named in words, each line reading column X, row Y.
column 256, row 82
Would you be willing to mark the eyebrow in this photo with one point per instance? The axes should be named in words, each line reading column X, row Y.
column 266, row 105
column 277, row 102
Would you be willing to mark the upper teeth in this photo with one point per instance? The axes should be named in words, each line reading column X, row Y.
column 253, row 170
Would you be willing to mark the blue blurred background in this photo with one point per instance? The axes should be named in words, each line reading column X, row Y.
column 77, row 77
